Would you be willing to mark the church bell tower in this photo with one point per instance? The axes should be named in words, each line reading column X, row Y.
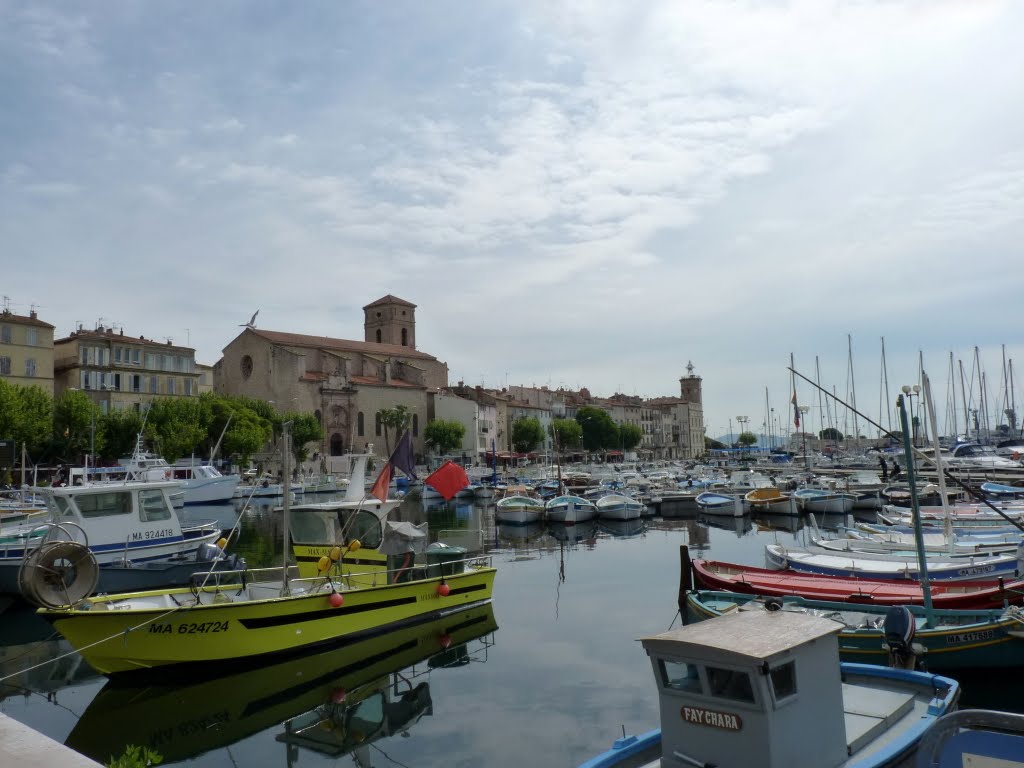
column 390, row 320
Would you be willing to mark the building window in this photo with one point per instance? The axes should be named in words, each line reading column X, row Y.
column 5, row 366
column 136, row 382
column 188, row 387
column 360, row 424
column 405, row 337
column 5, row 334
column 116, row 378
column 136, row 356
column 117, row 354
column 171, row 381
column 378, row 336
column 154, row 386
column 319, row 417
column 30, row 367
column 415, row 425
column 32, row 337
column 376, row 423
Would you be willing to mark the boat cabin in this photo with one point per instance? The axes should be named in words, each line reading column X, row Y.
column 754, row 683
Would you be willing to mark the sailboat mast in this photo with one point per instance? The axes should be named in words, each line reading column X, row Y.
column 768, row 418
column 926, row 387
column 923, row 417
column 951, row 397
column 853, row 390
column 286, row 474
column 963, row 396
column 916, row 510
column 1013, row 402
column 817, row 375
column 883, row 398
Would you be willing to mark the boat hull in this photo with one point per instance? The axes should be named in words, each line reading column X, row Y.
column 960, row 639
column 128, row 639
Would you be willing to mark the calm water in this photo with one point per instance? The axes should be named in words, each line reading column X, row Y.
column 547, row 677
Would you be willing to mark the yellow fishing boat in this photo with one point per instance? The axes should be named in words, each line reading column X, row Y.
column 269, row 613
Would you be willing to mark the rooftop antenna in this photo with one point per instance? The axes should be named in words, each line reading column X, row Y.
column 7, row 303
column 188, row 337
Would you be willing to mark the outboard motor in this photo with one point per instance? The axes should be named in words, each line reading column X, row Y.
column 899, row 628
column 207, row 552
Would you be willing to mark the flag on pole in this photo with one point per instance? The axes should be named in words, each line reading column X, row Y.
column 448, row 479
column 796, row 411
column 401, row 458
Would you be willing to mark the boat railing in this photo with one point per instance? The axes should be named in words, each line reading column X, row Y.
column 981, row 732
column 214, row 581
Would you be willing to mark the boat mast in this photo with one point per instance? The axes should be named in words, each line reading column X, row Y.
column 853, row 390
column 817, row 376
column 923, row 417
column 1013, row 402
column 926, row 387
column 963, row 396
column 922, row 561
column 286, row 474
column 951, row 395
column 768, row 418
column 883, row 400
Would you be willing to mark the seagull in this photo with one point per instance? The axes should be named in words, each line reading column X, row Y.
column 252, row 321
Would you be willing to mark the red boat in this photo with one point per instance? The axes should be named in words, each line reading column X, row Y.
column 730, row 577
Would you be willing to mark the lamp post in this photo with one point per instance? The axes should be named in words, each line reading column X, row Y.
column 911, row 392
column 803, row 423
column 742, row 421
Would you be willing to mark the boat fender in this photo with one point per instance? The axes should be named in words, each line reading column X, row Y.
column 773, row 604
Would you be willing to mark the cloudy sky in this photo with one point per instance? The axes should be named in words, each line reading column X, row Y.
column 574, row 194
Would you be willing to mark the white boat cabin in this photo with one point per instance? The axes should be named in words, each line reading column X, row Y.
column 752, row 683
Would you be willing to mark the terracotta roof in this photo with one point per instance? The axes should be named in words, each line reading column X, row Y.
column 666, row 401
column 120, row 338
column 375, row 382
column 389, row 299
column 10, row 317
column 339, row 345
column 314, row 376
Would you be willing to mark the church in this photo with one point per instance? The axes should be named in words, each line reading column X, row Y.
column 343, row 382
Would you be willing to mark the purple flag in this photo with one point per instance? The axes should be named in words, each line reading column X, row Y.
column 402, row 457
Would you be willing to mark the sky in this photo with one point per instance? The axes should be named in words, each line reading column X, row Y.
column 577, row 194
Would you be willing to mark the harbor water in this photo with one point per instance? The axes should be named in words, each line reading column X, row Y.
column 549, row 676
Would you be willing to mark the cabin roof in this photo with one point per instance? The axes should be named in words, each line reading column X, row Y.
column 754, row 635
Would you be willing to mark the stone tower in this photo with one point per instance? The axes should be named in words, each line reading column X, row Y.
column 689, row 386
column 390, row 320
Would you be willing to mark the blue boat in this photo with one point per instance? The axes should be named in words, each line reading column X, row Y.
column 767, row 689
column 974, row 737
column 1000, row 492
column 711, row 503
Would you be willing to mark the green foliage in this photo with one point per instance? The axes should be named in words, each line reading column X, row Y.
column 28, row 412
column 527, row 434
column 74, row 415
column 444, row 436
column 599, row 431
column 136, row 757
column 630, row 436
column 120, row 430
column 306, row 429
column 831, row 433
column 396, row 418
column 567, row 433
column 747, row 439
column 175, row 427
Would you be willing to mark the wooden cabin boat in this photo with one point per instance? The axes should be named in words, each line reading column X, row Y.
column 771, row 501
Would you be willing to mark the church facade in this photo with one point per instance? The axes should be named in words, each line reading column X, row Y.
column 343, row 382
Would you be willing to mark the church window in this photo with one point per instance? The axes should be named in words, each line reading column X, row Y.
column 377, row 423
column 405, row 337
column 415, row 425
column 378, row 335
column 360, row 424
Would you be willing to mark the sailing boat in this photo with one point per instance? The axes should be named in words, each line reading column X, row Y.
column 899, row 635
column 272, row 611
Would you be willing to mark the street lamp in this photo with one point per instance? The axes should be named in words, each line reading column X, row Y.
column 742, row 421
column 911, row 392
column 803, row 422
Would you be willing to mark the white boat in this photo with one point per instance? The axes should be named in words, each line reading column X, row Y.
column 569, row 509
column 767, row 689
column 617, row 506
column 265, row 489
column 323, row 484
column 119, row 522
column 203, row 483
column 519, row 509
column 828, row 502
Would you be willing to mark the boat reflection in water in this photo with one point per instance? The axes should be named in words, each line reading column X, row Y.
column 334, row 701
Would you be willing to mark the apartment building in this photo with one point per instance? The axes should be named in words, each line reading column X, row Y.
column 26, row 350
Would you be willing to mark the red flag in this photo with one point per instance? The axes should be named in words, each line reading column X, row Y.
column 380, row 488
column 796, row 411
column 448, row 479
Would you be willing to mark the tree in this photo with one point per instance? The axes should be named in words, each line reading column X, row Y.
column 396, row 418
column 74, row 421
column 120, row 430
column 175, row 427
column 305, row 430
column 599, row 431
column 567, row 433
column 443, row 435
column 527, row 434
column 747, row 439
column 34, row 427
column 630, row 436
column 831, row 433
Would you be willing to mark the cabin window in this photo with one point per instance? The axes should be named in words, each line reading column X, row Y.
column 680, row 676
column 152, row 506
column 783, row 681
column 63, row 507
column 365, row 527
column 105, row 504
column 730, row 684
